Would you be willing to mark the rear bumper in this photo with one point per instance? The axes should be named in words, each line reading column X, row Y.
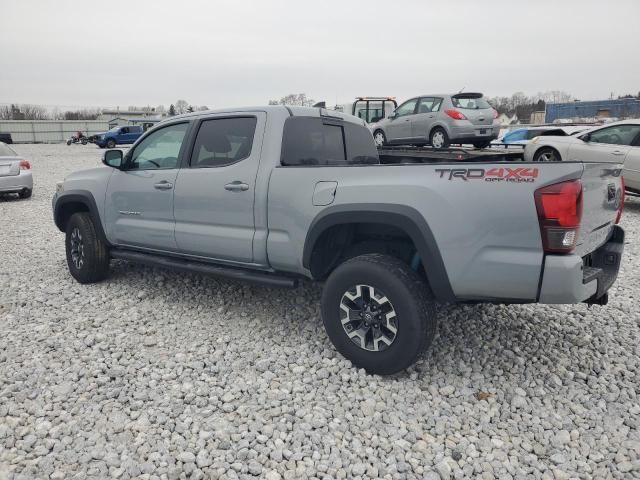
column 16, row 183
column 472, row 132
column 572, row 279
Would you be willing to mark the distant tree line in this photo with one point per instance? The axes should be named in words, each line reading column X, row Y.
column 300, row 99
column 523, row 106
column 182, row 106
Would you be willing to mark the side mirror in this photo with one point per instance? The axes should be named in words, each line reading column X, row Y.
column 392, row 115
column 586, row 137
column 113, row 159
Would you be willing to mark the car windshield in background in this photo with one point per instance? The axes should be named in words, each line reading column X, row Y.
column 6, row 151
column 470, row 103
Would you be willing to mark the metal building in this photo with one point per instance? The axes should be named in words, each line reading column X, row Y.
column 620, row 108
column 49, row 131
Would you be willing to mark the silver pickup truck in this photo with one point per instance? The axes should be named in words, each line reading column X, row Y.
column 275, row 194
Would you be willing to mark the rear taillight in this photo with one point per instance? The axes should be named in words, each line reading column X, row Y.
column 455, row 114
column 621, row 204
column 559, row 214
column 495, row 114
column 25, row 165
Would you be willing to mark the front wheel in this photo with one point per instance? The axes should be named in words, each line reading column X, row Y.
column 84, row 141
column 111, row 144
column 25, row 193
column 378, row 313
column 439, row 138
column 69, row 142
column 87, row 255
column 379, row 138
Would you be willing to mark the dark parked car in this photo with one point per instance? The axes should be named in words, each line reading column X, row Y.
column 6, row 138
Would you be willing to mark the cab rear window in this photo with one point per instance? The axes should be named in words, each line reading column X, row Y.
column 314, row 141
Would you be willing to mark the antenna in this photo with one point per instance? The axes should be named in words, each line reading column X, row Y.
column 462, row 89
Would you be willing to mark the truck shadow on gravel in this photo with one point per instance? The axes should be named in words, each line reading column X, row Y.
column 497, row 340
column 631, row 205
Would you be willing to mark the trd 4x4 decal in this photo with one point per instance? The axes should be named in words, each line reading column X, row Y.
column 502, row 174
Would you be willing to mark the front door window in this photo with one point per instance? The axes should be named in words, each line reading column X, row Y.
column 159, row 150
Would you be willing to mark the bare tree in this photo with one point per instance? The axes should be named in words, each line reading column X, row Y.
column 83, row 114
column 23, row 112
column 294, row 99
column 181, row 107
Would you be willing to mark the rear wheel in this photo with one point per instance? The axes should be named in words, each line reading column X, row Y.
column 25, row 193
column 87, row 255
column 482, row 144
column 111, row 144
column 84, row 141
column 546, row 154
column 439, row 138
column 378, row 313
column 379, row 138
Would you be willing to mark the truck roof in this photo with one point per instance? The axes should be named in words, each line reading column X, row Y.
column 292, row 110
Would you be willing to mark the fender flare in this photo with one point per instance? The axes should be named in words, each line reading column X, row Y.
column 401, row 216
column 83, row 197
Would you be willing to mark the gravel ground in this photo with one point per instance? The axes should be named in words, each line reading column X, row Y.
column 162, row 375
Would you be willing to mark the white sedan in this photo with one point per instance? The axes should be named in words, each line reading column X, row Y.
column 15, row 173
column 616, row 142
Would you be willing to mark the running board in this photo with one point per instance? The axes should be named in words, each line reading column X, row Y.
column 252, row 276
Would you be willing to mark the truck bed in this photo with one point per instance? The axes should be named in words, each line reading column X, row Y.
column 428, row 154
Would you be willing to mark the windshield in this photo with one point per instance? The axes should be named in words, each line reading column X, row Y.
column 6, row 151
column 470, row 103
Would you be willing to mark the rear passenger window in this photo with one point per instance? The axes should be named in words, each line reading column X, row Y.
column 312, row 141
column 223, row 141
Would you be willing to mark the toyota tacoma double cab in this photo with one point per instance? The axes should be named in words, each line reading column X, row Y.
column 277, row 194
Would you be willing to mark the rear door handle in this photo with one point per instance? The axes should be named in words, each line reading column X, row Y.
column 163, row 185
column 236, row 186
column 617, row 152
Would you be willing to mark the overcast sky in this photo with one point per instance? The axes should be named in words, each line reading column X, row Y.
column 232, row 53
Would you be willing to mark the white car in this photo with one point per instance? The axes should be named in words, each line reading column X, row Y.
column 616, row 142
column 15, row 173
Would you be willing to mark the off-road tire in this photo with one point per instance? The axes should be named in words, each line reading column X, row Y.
column 412, row 301
column 95, row 264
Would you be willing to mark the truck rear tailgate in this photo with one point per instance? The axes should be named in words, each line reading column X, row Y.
column 601, row 199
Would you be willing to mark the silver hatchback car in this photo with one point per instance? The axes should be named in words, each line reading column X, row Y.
column 440, row 120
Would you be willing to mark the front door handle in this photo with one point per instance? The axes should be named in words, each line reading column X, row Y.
column 163, row 185
column 617, row 152
column 236, row 186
